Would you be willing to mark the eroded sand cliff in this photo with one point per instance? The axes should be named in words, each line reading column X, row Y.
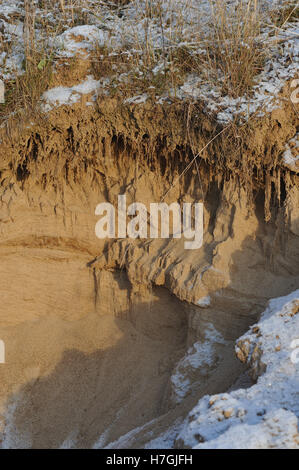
column 96, row 331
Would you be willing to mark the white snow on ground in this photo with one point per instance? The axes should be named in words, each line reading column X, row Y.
column 165, row 440
column 70, row 441
column 11, row 438
column 61, row 95
column 138, row 99
column 278, row 69
column 278, row 429
column 80, row 39
column 204, row 301
column 129, row 28
column 200, row 357
column 266, row 414
column 291, row 154
column 124, row 441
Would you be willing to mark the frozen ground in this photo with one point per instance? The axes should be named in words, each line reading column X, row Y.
column 201, row 356
column 62, row 95
column 291, row 154
column 266, row 414
column 170, row 25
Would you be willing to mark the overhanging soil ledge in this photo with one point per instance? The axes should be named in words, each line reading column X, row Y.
column 95, row 329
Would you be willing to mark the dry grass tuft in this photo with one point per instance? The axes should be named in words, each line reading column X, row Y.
column 23, row 94
column 287, row 12
column 234, row 53
column 228, row 56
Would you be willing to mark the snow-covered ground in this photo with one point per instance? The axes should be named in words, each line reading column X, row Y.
column 200, row 357
column 266, row 414
column 62, row 95
column 291, row 154
column 168, row 26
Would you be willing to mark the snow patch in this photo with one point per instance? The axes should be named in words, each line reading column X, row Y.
column 200, row 357
column 80, row 39
column 266, row 414
column 59, row 96
column 204, row 301
column 291, row 154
